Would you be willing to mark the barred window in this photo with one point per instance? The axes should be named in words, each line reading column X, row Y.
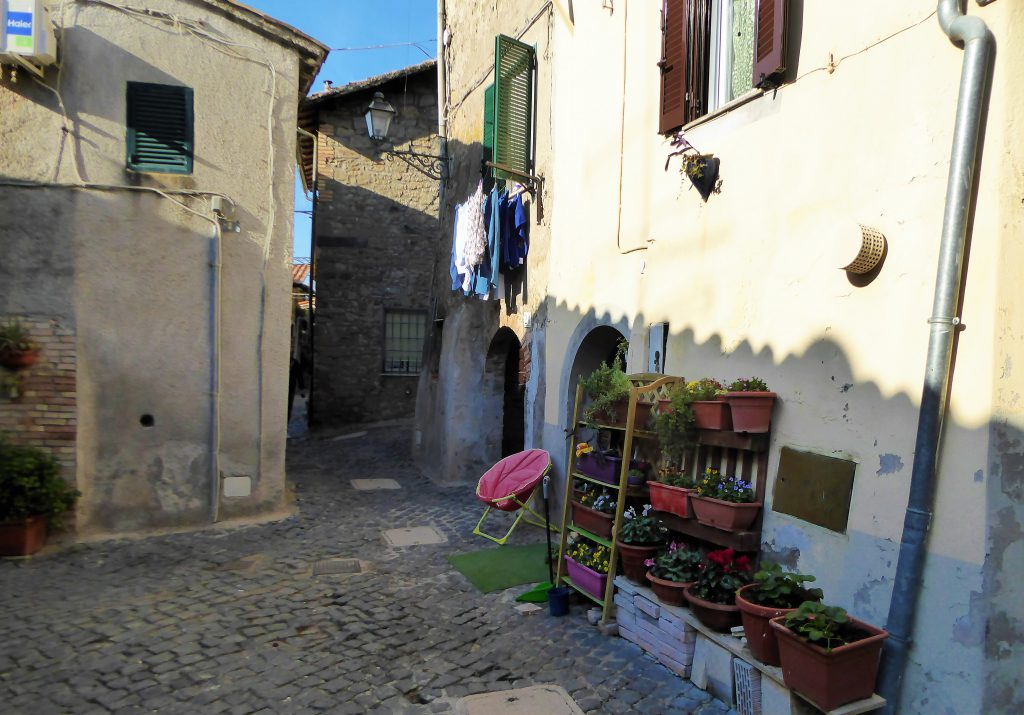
column 404, row 333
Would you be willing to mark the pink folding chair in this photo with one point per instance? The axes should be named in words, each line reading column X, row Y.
column 510, row 485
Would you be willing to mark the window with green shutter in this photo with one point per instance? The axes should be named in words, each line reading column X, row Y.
column 160, row 131
column 488, row 140
column 514, row 67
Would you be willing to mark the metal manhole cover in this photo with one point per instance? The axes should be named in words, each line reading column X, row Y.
column 336, row 566
column 414, row 536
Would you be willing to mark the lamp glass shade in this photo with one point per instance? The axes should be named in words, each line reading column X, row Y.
column 378, row 117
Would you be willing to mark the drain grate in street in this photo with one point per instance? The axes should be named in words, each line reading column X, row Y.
column 414, row 536
column 366, row 485
column 336, row 566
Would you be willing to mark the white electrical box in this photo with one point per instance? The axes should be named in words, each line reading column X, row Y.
column 26, row 34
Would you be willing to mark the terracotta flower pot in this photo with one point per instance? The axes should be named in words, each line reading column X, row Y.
column 725, row 515
column 668, row 592
column 830, row 678
column 751, row 411
column 760, row 635
column 19, row 359
column 633, row 557
column 23, row 537
column 712, row 414
column 596, row 522
column 674, row 500
column 717, row 616
column 586, row 578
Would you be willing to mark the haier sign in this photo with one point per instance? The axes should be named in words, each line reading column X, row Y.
column 19, row 23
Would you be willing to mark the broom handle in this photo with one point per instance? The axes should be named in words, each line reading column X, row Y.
column 547, row 530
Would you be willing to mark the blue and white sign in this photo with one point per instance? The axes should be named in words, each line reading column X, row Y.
column 25, row 32
column 19, row 23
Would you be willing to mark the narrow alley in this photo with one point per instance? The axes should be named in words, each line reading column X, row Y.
column 234, row 619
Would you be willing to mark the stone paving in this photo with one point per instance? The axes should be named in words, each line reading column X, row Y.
column 232, row 619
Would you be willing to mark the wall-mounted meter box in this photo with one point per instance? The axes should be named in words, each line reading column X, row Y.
column 26, row 33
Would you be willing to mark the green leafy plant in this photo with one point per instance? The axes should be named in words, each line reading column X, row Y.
column 781, row 589
column 716, row 485
column 676, row 563
column 642, row 528
column 721, row 574
column 606, row 386
column 638, row 473
column 748, row 384
column 674, row 425
column 594, row 556
column 704, row 389
column 826, row 626
column 31, row 485
column 15, row 338
column 673, row 477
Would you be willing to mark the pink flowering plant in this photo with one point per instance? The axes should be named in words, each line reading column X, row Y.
column 748, row 384
column 676, row 563
column 716, row 485
column 721, row 574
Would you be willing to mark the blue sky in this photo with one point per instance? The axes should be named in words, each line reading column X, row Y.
column 349, row 24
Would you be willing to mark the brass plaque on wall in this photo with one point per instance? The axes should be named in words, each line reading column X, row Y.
column 814, row 488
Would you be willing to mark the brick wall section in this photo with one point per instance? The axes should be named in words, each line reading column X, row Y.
column 45, row 413
column 377, row 232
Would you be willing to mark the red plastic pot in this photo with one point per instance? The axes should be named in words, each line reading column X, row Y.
column 717, row 616
column 712, row 414
column 756, row 627
column 19, row 359
column 595, row 522
column 671, row 593
column 725, row 515
column 633, row 557
column 830, row 678
column 674, row 500
column 751, row 411
column 22, row 537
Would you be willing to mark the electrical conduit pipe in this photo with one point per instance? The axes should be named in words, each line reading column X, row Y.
column 977, row 43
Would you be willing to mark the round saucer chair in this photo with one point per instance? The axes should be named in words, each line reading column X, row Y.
column 510, row 485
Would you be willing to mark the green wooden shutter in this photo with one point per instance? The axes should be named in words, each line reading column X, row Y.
column 514, row 64
column 160, row 128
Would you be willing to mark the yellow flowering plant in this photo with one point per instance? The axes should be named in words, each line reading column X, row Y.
column 594, row 556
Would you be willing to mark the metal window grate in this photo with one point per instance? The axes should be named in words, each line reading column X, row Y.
column 404, row 333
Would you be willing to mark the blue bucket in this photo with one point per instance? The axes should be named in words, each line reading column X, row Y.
column 558, row 600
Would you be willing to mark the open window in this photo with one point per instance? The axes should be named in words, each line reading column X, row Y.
column 714, row 51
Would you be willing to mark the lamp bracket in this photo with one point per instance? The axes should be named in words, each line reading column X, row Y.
column 432, row 165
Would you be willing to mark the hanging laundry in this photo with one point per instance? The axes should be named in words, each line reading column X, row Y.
column 486, row 281
column 515, row 232
column 476, row 234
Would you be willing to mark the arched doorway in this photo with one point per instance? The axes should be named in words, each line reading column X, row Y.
column 504, row 395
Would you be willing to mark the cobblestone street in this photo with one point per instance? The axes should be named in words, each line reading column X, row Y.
column 233, row 620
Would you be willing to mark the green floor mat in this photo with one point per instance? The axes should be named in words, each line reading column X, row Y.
column 506, row 566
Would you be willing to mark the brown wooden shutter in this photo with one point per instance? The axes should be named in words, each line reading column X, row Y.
column 673, row 65
column 769, row 40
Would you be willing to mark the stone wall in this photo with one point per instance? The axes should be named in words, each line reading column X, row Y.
column 376, row 233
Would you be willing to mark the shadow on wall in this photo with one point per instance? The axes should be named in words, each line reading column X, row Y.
column 968, row 609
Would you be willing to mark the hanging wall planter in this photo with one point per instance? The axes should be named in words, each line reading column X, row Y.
column 703, row 173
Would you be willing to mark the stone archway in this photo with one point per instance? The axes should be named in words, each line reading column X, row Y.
column 503, row 396
column 598, row 346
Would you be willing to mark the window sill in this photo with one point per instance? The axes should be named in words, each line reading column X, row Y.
column 725, row 108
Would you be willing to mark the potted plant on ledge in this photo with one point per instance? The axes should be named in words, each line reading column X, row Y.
column 713, row 597
column 32, row 494
column 607, row 389
column 725, row 503
column 671, row 493
column 750, row 402
column 593, row 509
column 710, row 409
column 773, row 593
column 827, row 656
column 673, row 571
column 17, row 348
column 640, row 537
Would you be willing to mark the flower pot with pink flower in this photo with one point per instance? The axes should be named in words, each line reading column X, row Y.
column 640, row 537
column 751, row 403
column 672, row 571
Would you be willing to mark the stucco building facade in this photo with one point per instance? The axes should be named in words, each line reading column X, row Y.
column 155, row 268
column 856, row 130
column 375, row 231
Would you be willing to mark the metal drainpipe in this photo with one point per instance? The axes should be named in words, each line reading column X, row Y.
column 977, row 42
column 442, row 100
column 215, row 363
column 315, row 137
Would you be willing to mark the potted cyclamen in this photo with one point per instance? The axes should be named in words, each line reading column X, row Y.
column 593, row 509
column 827, row 656
column 672, row 571
column 723, row 502
column 773, row 593
column 640, row 537
column 750, row 402
column 17, row 348
column 32, row 496
column 586, row 564
column 709, row 407
column 713, row 597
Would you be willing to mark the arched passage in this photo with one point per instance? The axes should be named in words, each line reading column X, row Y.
column 503, row 392
column 598, row 346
